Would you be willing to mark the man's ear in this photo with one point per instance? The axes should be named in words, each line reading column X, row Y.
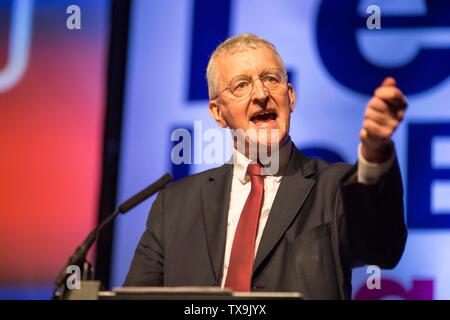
column 216, row 114
column 291, row 96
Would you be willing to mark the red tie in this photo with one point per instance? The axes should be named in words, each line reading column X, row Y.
column 240, row 268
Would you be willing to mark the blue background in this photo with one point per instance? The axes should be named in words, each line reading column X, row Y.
column 334, row 63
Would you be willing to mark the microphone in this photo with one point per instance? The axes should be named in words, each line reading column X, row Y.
column 80, row 253
column 144, row 194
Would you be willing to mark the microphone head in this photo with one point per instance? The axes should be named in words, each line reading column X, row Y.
column 146, row 193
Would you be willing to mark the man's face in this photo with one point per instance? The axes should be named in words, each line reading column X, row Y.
column 262, row 109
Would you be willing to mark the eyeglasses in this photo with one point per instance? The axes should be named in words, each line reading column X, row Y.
column 242, row 86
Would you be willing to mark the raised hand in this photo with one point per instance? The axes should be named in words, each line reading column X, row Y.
column 384, row 112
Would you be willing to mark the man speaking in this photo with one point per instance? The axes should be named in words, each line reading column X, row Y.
column 300, row 227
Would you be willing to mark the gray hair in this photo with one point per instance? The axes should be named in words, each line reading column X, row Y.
column 239, row 42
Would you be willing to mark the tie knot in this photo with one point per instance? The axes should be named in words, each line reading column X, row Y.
column 254, row 169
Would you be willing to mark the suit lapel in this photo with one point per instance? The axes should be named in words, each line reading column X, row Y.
column 215, row 204
column 292, row 193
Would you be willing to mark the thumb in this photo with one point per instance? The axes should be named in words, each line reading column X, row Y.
column 389, row 82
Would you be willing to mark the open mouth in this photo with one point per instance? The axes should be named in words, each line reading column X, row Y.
column 265, row 116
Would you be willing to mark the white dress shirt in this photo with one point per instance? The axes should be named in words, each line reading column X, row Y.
column 368, row 173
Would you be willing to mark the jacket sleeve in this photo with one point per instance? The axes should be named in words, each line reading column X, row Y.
column 373, row 219
column 147, row 266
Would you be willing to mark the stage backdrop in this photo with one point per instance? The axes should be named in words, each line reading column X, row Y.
column 334, row 62
column 52, row 82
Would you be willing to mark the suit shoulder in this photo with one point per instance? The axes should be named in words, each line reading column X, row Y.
column 194, row 181
column 326, row 169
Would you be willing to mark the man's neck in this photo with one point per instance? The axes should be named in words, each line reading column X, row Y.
column 273, row 163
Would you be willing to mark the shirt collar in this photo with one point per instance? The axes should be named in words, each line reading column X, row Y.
column 241, row 162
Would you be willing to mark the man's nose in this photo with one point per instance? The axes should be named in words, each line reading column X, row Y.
column 260, row 93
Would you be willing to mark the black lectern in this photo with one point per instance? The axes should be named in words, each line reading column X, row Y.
column 90, row 290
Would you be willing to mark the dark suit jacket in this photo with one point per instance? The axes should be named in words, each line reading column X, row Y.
column 322, row 223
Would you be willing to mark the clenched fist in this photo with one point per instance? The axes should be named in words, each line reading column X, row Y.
column 384, row 112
